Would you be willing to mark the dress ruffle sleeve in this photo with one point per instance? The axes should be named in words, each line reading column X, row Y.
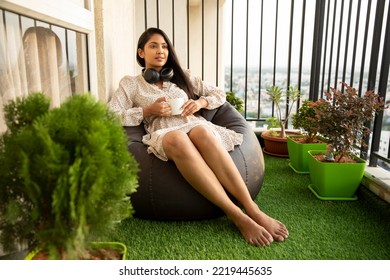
column 215, row 97
column 122, row 104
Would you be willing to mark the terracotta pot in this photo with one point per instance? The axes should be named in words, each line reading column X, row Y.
column 275, row 145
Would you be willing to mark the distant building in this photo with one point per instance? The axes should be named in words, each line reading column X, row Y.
column 384, row 143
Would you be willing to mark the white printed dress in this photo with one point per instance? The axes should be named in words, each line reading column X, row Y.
column 134, row 93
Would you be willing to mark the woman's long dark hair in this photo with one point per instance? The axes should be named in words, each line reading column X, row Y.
column 180, row 78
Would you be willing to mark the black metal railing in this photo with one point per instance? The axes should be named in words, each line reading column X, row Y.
column 348, row 41
column 311, row 44
column 353, row 50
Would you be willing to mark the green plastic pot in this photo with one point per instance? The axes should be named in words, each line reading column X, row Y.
column 118, row 246
column 298, row 153
column 335, row 181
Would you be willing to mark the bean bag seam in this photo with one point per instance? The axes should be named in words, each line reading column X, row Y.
column 151, row 187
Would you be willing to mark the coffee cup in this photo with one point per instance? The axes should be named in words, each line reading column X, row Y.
column 176, row 104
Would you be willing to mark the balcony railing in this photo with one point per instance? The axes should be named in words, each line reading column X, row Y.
column 314, row 45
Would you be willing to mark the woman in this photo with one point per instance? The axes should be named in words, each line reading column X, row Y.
column 198, row 147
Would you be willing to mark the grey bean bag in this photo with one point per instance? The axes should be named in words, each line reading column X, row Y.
column 164, row 194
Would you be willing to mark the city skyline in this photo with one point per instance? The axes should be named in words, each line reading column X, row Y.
column 252, row 101
column 247, row 51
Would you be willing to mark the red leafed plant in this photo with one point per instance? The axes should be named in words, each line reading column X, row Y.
column 343, row 118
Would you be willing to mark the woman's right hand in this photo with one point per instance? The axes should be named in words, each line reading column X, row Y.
column 159, row 108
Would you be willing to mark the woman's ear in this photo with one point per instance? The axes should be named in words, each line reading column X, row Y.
column 140, row 53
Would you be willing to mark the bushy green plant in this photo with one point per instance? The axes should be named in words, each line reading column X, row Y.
column 16, row 225
column 342, row 119
column 235, row 101
column 277, row 95
column 305, row 120
column 67, row 177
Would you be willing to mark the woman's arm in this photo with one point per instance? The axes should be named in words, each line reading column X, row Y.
column 122, row 104
column 214, row 96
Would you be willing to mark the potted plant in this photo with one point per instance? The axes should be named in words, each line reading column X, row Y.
column 298, row 145
column 336, row 173
column 275, row 142
column 235, row 101
column 66, row 176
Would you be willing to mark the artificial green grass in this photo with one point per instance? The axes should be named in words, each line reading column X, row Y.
column 319, row 230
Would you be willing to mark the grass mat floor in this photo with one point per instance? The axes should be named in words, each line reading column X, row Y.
column 344, row 230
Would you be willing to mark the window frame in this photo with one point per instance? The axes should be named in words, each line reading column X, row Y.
column 67, row 14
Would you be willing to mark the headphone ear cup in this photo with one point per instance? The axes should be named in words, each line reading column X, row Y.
column 151, row 75
column 166, row 74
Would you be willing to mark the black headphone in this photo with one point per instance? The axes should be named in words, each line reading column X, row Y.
column 153, row 76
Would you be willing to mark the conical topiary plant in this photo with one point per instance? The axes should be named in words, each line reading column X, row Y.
column 66, row 174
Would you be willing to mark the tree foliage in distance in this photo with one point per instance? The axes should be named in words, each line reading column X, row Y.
column 235, row 101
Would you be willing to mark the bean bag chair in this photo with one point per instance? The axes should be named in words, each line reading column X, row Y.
column 163, row 193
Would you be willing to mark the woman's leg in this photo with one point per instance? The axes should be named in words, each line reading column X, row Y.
column 222, row 165
column 179, row 148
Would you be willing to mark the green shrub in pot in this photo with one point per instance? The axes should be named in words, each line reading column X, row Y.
column 343, row 118
column 66, row 175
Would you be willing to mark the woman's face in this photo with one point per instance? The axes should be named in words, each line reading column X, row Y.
column 155, row 52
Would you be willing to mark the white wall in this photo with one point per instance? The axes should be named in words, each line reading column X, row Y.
column 119, row 44
column 209, row 44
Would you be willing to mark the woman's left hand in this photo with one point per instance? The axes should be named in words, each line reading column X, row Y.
column 192, row 106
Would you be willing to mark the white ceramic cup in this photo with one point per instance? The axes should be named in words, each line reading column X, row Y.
column 176, row 104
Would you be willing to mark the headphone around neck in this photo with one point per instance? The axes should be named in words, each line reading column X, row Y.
column 153, row 76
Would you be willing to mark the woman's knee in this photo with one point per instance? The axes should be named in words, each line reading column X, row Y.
column 175, row 141
column 202, row 135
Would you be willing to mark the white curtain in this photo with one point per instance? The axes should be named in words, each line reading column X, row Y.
column 30, row 63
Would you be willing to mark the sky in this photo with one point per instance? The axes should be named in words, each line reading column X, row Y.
column 268, row 30
column 283, row 30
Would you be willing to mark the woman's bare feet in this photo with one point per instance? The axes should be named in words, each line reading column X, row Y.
column 252, row 232
column 277, row 229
